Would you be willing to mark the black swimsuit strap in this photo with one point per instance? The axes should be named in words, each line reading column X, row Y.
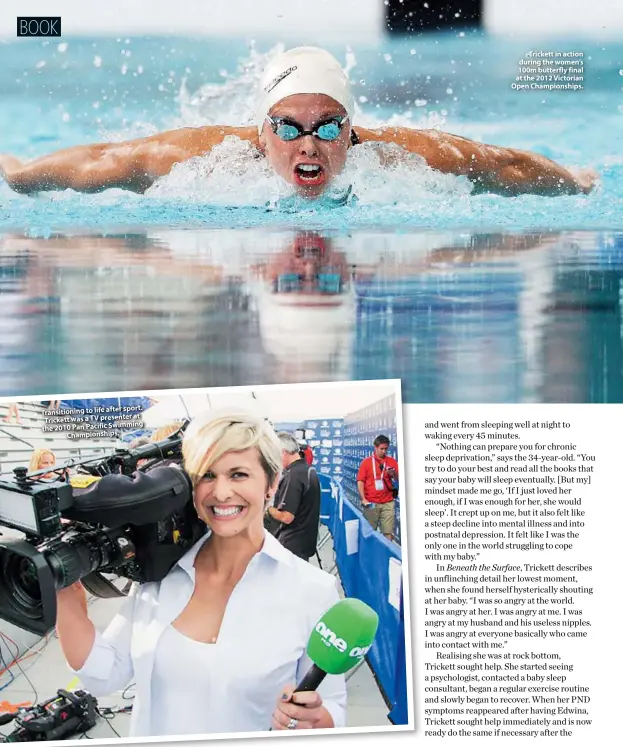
column 354, row 140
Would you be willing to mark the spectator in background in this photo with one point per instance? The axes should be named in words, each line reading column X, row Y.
column 375, row 485
column 165, row 431
column 296, row 507
column 306, row 451
column 51, row 404
column 42, row 459
column 13, row 413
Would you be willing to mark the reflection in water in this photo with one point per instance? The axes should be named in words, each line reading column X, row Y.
column 458, row 317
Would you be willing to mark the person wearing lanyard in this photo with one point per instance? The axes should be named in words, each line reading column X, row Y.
column 375, row 485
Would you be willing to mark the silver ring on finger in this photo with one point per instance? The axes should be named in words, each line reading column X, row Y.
column 292, row 723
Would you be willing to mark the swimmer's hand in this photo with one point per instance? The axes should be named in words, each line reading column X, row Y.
column 9, row 166
column 585, row 178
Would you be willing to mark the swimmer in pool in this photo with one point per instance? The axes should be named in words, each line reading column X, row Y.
column 304, row 112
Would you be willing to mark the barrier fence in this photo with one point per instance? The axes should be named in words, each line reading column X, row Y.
column 340, row 445
column 370, row 568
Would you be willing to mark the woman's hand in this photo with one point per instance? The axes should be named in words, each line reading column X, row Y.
column 9, row 167
column 303, row 710
column 74, row 595
column 586, row 178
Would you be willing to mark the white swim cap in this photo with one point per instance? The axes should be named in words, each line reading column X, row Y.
column 309, row 336
column 302, row 70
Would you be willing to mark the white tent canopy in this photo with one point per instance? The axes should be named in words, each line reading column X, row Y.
column 289, row 403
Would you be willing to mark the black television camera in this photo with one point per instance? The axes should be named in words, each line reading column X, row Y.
column 115, row 516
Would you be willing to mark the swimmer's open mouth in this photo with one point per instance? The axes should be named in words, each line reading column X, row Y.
column 309, row 174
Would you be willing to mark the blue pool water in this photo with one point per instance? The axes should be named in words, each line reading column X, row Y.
column 458, row 316
column 464, row 298
column 57, row 94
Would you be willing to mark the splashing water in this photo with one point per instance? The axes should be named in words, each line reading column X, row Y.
column 230, row 102
column 385, row 174
column 396, row 188
column 234, row 174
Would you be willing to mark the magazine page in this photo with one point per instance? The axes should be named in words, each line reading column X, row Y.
column 291, row 208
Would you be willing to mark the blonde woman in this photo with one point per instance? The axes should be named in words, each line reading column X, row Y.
column 217, row 646
column 42, row 459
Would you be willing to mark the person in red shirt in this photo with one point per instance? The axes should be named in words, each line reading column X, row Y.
column 375, row 485
column 306, row 452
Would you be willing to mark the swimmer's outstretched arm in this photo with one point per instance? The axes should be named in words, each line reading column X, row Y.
column 133, row 165
column 503, row 171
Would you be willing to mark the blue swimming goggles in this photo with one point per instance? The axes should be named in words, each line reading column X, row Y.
column 287, row 129
column 325, row 281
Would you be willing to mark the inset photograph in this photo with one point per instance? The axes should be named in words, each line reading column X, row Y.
column 204, row 562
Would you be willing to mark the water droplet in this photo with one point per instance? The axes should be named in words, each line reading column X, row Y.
column 97, row 61
column 62, row 47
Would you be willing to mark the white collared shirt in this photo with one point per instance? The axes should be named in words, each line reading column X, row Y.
column 234, row 683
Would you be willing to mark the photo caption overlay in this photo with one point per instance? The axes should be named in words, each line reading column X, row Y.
column 507, row 606
column 550, row 70
column 92, row 422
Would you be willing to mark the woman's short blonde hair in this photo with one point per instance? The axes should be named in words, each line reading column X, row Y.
column 35, row 459
column 211, row 434
column 165, row 431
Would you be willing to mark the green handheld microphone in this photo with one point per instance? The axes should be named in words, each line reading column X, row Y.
column 340, row 640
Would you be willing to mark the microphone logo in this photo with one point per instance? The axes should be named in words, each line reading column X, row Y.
column 329, row 638
column 357, row 651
